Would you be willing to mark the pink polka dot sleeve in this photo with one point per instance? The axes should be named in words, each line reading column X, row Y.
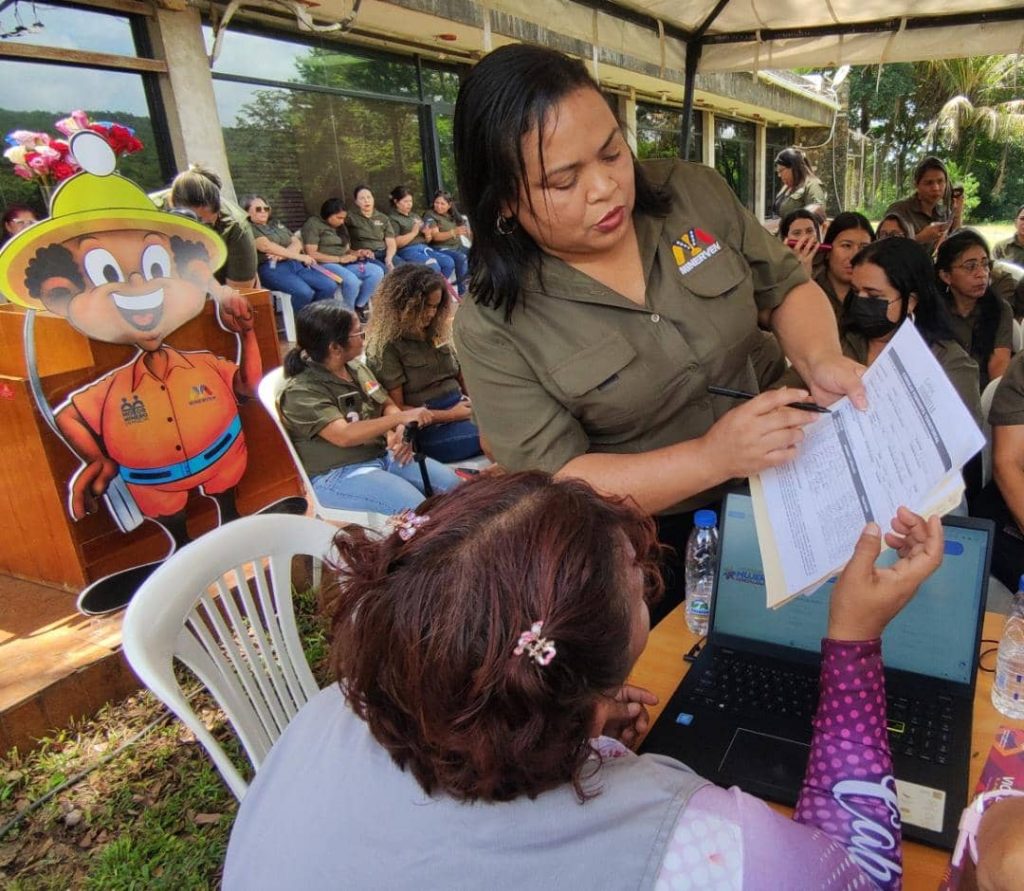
column 849, row 791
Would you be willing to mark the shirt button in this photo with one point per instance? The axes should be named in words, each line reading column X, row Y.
column 170, row 420
column 655, row 318
column 177, row 448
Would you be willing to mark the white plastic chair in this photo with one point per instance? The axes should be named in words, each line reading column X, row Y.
column 269, row 389
column 986, row 406
column 1018, row 336
column 283, row 302
column 222, row 605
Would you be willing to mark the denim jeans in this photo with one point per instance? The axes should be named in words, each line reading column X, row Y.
column 358, row 281
column 461, row 263
column 451, row 441
column 381, row 485
column 304, row 284
column 420, row 253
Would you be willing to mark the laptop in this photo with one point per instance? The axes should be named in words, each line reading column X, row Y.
column 742, row 715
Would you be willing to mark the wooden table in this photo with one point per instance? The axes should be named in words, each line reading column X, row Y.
column 661, row 668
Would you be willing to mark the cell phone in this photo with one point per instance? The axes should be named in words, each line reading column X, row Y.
column 792, row 242
column 958, row 191
column 411, row 429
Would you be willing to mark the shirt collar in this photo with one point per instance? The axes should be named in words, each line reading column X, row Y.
column 174, row 360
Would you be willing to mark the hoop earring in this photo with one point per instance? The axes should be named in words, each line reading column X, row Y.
column 505, row 225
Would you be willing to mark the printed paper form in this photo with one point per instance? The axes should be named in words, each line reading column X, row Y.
column 854, row 467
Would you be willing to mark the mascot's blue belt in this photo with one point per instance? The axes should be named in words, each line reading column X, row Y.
column 172, row 473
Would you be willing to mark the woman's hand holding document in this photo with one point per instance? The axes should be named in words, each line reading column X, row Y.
column 856, row 467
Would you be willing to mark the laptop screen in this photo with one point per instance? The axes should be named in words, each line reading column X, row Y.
column 933, row 635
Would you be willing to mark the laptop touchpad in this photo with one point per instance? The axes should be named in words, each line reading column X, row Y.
column 761, row 760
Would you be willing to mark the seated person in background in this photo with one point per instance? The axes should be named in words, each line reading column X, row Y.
column 478, row 731
column 198, row 190
column 801, row 233
column 348, row 433
column 1008, row 284
column 893, row 280
column 1003, row 498
column 326, row 240
column 369, row 230
column 1012, row 248
column 893, row 226
column 16, row 218
column 411, row 235
column 981, row 321
column 409, row 350
column 932, row 209
column 449, row 235
column 283, row 265
column 800, row 187
column 847, row 234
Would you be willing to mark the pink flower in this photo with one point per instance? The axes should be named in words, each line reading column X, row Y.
column 38, row 163
column 77, row 120
column 23, row 171
column 27, row 138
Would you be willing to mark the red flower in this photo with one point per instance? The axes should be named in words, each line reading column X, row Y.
column 62, row 170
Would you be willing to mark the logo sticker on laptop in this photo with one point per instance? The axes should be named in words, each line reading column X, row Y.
column 921, row 805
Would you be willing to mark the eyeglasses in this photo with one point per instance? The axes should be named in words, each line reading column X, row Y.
column 974, row 265
column 260, row 208
column 360, row 334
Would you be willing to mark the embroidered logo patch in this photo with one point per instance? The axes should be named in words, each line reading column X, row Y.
column 692, row 248
column 371, row 387
column 200, row 393
column 133, row 412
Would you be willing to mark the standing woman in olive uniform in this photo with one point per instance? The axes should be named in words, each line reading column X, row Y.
column 800, row 187
column 607, row 296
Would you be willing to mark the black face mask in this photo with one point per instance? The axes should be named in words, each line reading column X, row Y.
column 867, row 316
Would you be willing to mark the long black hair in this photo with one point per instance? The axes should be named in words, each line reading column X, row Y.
column 330, row 207
column 984, row 334
column 510, row 93
column 795, row 160
column 801, row 213
column 848, row 219
column 908, row 268
column 317, row 326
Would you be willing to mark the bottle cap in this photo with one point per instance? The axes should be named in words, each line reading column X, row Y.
column 705, row 519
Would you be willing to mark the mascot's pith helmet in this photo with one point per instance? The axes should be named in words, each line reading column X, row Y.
column 95, row 200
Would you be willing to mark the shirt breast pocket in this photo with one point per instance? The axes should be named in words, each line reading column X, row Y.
column 717, row 276
column 603, row 386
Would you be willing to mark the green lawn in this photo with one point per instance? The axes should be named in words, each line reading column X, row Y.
column 994, row 232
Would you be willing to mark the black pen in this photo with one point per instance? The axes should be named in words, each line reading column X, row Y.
column 743, row 394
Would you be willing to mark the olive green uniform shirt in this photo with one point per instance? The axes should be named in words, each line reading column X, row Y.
column 233, row 227
column 445, row 223
column 821, row 279
column 811, row 192
column 1008, row 403
column 960, row 368
column 1010, row 249
column 328, row 240
column 579, row 368
column 964, row 328
column 422, row 370
column 914, row 215
column 314, row 398
column 368, row 232
column 1008, row 283
column 403, row 224
column 278, row 233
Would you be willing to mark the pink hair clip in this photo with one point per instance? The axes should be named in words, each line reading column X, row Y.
column 406, row 523
column 540, row 649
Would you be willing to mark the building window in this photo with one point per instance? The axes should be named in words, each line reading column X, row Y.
column 659, row 132
column 734, row 157
column 304, row 122
column 35, row 94
column 776, row 139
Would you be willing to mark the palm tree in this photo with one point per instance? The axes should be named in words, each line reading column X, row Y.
column 979, row 97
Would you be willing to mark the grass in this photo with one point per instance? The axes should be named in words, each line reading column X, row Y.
column 994, row 232
column 155, row 815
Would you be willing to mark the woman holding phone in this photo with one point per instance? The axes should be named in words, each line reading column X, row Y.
column 935, row 208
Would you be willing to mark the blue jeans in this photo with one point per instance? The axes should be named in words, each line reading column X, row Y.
column 461, row 264
column 304, row 284
column 420, row 253
column 358, row 281
column 451, row 441
column 381, row 485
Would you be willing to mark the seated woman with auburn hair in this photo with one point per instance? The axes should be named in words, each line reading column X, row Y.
column 477, row 733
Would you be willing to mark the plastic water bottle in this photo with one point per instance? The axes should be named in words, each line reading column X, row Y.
column 1008, row 689
column 701, row 553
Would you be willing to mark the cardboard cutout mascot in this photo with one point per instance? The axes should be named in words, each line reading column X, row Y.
column 166, row 423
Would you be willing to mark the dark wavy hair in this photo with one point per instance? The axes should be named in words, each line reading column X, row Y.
column 899, row 221
column 510, row 93
column 317, row 326
column 423, row 631
column 984, row 335
column 848, row 219
column 397, row 194
column 801, row 213
column 908, row 269
column 332, row 206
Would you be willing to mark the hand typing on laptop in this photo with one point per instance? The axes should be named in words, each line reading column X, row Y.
column 867, row 596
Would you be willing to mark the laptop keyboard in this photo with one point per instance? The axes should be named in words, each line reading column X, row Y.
column 917, row 728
